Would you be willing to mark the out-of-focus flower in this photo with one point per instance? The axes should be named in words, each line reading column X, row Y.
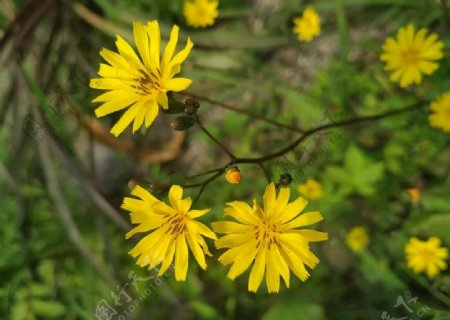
column 140, row 83
column 440, row 116
column 268, row 237
column 200, row 13
column 426, row 256
column 233, row 175
column 357, row 239
column 307, row 26
column 311, row 189
column 174, row 229
column 411, row 54
column 415, row 195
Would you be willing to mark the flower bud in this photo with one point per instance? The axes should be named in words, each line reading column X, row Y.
column 182, row 123
column 233, row 175
column 285, row 179
column 191, row 106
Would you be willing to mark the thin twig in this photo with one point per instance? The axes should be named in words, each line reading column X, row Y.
column 244, row 112
column 220, row 144
column 308, row 133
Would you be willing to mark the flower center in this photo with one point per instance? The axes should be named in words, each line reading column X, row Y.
column 175, row 224
column 428, row 255
column 147, row 83
column 411, row 56
column 266, row 233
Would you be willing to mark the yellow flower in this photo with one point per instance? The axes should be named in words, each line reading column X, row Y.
column 411, row 55
column 200, row 13
column 440, row 117
column 233, row 175
column 357, row 239
column 307, row 26
column 140, row 83
column 311, row 190
column 172, row 226
column 268, row 237
column 426, row 256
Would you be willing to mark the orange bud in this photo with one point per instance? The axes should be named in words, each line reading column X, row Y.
column 233, row 175
column 414, row 194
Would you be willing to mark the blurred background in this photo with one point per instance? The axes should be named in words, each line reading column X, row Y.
column 63, row 176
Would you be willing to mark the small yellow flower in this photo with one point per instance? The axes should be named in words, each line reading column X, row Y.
column 140, row 83
column 233, row 175
column 415, row 195
column 200, row 13
column 311, row 190
column 440, row 116
column 307, row 26
column 357, row 239
column 268, row 237
column 172, row 226
column 426, row 256
column 411, row 54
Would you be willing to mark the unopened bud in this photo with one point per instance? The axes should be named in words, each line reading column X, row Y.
column 181, row 123
column 132, row 184
column 191, row 106
column 285, row 179
column 233, row 175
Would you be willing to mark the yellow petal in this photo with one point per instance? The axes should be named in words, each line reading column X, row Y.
column 241, row 212
column 170, row 47
column 292, row 210
column 141, row 40
column 196, row 250
column 304, row 219
column 168, row 258
column 230, row 227
column 243, row 260
column 257, row 273
column 126, row 119
column 178, row 84
column 272, row 274
column 181, row 258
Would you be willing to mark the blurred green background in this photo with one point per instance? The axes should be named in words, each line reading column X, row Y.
column 62, row 177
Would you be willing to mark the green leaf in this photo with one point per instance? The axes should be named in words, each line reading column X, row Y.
column 204, row 311
column 291, row 309
column 48, row 309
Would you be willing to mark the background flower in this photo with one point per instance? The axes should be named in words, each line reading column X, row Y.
column 411, row 54
column 440, row 113
column 357, row 239
column 200, row 13
column 307, row 26
column 426, row 256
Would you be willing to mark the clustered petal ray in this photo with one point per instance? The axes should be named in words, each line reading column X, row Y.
column 139, row 83
column 268, row 238
column 173, row 229
column 426, row 256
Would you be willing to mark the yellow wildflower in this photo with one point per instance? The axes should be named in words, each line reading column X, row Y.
column 411, row 54
column 357, row 239
column 172, row 226
column 307, row 26
column 311, row 190
column 440, row 116
column 200, row 13
column 268, row 237
column 140, row 83
column 426, row 256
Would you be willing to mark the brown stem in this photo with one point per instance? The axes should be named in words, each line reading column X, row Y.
column 220, row 144
column 245, row 112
